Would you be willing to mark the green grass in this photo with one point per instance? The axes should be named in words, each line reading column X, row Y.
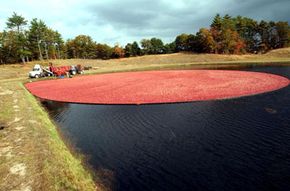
column 63, row 170
column 50, row 164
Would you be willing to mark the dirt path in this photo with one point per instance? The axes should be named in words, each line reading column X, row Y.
column 19, row 170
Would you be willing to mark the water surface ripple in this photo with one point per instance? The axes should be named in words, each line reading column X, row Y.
column 234, row 144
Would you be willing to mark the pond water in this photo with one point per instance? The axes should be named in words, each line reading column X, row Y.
column 234, row 144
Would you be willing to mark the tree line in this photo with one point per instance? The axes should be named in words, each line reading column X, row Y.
column 22, row 42
column 236, row 35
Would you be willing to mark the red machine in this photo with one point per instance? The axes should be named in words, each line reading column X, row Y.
column 60, row 70
column 64, row 70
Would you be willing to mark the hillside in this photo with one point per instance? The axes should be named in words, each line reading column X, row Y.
column 282, row 52
column 180, row 60
column 184, row 58
column 148, row 62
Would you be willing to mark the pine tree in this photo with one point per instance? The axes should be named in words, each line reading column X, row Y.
column 17, row 22
column 217, row 22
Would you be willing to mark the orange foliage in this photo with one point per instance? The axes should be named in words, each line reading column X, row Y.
column 118, row 52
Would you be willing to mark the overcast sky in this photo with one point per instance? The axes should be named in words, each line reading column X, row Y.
column 122, row 21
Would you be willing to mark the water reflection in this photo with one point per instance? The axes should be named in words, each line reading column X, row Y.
column 234, row 144
column 55, row 108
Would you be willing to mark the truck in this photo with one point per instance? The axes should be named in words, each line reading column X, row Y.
column 39, row 71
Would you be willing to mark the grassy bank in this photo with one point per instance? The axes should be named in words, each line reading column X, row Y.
column 180, row 60
column 32, row 154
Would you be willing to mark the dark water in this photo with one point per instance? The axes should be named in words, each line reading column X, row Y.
column 235, row 144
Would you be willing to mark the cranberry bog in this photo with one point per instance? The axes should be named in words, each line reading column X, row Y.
column 245, row 142
column 152, row 87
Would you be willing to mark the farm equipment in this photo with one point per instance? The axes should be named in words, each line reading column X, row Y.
column 39, row 71
column 64, row 70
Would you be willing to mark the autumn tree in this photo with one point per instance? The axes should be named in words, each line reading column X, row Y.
column 128, row 50
column 118, row 52
column 170, row 48
column 132, row 49
column 157, row 46
column 9, row 47
column 103, row 51
column 53, row 44
column 192, row 43
column 146, row 46
column 263, row 30
column 82, row 46
column 205, row 41
column 231, row 42
column 283, row 32
column 181, row 42
column 247, row 29
column 1, row 48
